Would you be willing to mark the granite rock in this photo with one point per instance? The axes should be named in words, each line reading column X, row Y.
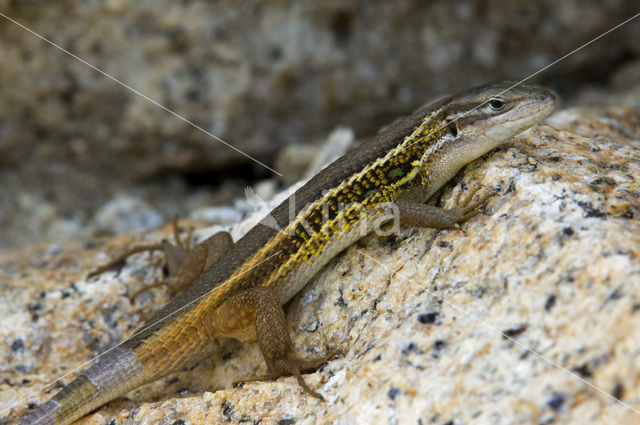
column 527, row 314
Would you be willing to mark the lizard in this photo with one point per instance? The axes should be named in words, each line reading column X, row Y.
column 389, row 177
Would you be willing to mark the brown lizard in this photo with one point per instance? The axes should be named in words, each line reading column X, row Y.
column 241, row 295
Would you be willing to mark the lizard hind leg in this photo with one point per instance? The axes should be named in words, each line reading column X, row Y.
column 174, row 255
column 184, row 261
column 270, row 326
column 122, row 257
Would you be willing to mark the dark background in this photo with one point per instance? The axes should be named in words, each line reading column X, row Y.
column 259, row 76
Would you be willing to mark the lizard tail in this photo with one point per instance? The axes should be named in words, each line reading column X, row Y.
column 116, row 373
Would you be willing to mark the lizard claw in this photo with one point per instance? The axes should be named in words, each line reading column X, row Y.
column 467, row 208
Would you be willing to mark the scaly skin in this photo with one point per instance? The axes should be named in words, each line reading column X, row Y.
column 240, row 296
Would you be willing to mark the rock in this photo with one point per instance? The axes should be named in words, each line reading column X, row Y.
column 294, row 160
column 623, row 89
column 222, row 214
column 339, row 141
column 535, row 306
column 297, row 162
column 125, row 213
column 259, row 76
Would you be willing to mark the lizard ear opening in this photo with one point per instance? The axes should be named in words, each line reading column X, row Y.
column 452, row 127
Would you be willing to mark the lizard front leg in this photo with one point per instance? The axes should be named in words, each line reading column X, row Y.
column 256, row 313
column 421, row 215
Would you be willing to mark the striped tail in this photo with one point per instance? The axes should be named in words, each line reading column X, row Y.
column 116, row 373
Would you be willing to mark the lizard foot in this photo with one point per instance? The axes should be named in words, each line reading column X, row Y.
column 467, row 208
column 293, row 366
column 421, row 215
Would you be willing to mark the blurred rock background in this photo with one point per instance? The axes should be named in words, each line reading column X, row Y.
column 82, row 156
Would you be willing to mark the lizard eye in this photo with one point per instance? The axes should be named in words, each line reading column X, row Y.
column 496, row 104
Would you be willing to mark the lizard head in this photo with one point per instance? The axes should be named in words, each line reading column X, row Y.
column 480, row 119
column 484, row 117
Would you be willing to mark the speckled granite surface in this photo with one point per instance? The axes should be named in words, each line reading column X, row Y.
column 553, row 264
